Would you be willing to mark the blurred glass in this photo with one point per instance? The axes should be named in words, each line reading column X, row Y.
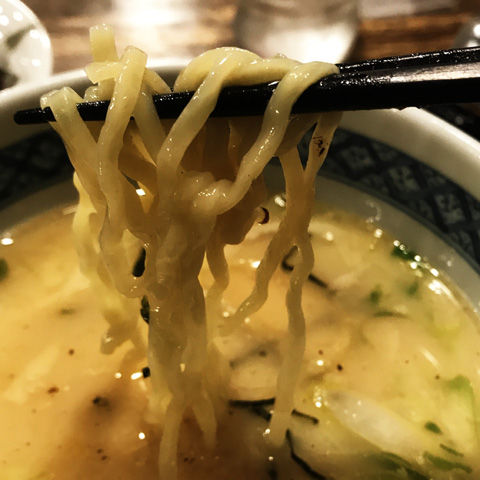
column 469, row 34
column 305, row 30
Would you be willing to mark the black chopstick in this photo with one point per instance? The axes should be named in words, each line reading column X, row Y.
column 447, row 76
column 454, row 56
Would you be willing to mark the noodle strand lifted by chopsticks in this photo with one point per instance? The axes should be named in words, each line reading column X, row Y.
column 201, row 184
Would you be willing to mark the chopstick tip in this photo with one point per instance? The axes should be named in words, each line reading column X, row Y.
column 33, row 116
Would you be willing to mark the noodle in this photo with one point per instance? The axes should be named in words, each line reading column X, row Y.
column 201, row 184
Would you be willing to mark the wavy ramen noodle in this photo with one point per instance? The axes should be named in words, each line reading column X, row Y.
column 182, row 191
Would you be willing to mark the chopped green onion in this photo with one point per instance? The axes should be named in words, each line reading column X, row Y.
column 397, row 465
column 433, row 427
column 375, row 295
column 446, row 465
column 461, row 383
column 451, row 450
column 412, row 289
column 401, row 251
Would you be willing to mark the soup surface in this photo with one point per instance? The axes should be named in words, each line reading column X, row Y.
column 390, row 385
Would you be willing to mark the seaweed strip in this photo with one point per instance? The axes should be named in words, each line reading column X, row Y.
column 311, row 278
column 301, row 462
column 252, row 403
column 305, row 416
column 145, row 309
column 257, row 407
column 139, row 266
column 260, row 408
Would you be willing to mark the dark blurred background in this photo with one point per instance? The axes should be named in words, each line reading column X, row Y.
column 185, row 28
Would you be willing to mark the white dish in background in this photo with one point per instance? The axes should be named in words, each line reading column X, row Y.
column 30, row 59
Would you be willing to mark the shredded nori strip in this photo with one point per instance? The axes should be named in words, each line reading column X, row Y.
column 266, row 216
column 139, row 266
column 305, row 416
column 257, row 407
column 261, row 409
column 311, row 278
column 252, row 403
column 145, row 309
column 300, row 461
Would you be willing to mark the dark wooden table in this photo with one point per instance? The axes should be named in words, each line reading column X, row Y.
column 184, row 28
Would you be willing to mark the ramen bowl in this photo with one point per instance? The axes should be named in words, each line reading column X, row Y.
column 407, row 173
column 420, row 171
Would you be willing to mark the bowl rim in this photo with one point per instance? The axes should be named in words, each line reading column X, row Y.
column 425, row 137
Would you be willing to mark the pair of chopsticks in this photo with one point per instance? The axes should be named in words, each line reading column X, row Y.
column 446, row 76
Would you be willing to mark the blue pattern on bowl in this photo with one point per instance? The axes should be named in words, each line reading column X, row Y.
column 420, row 191
column 31, row 165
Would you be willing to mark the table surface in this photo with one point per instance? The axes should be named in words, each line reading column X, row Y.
column 185, row 28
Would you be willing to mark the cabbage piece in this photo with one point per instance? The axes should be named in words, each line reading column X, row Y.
column 460, row 414
column 380, row 426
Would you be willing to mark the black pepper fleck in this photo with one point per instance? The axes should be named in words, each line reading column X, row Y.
column 67, row 311
column 101, row 402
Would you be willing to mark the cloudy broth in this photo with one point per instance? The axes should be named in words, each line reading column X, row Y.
column 390, row 385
